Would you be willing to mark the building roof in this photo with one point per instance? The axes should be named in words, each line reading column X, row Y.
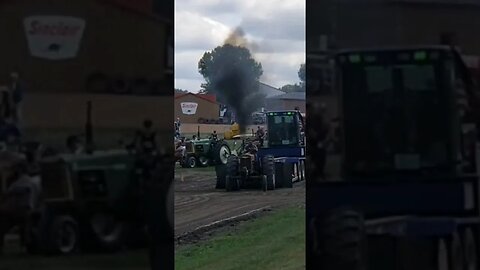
column 269, row 91
column 209, row 98
column 291, row 96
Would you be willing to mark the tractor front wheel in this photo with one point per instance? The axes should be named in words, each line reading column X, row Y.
column 64, row 235
column 191, row 162
column 109, row 231
column 221, row 153
column 204, row 161
column 339, row 240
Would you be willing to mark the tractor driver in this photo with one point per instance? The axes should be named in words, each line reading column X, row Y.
column 145, row 139
column 251, row 148
column 214, row 136
column 260, row 134
column 146, row 146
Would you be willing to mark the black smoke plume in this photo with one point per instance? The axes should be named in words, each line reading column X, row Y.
column 236, row 80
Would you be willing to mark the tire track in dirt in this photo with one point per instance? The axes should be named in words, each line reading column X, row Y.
column 198, row 203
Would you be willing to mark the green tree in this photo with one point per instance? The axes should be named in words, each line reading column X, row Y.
column 178, row 90
column 291, row 88
column 302, row 75
column 297, row 87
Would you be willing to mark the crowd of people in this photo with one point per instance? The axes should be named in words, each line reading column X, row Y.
column 11, row 97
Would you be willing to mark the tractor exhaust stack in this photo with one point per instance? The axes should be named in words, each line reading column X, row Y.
column 89, row 130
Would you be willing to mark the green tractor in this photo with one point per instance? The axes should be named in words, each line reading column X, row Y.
column 247, row 170
column 89, row 201
column 205, row 152
column 92, row 201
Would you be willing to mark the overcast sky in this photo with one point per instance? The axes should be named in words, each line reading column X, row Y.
column 276, row 27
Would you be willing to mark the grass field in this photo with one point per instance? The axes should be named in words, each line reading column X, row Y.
column 276, row 241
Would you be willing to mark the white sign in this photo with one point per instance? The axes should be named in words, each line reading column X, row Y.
column 54, row 37
column 222, row 112
column 189, row 108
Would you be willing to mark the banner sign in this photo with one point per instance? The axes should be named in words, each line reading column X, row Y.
column 189, row 108
column 54, row 37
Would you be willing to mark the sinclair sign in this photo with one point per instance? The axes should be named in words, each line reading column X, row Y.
column 54, row 37
column 189, row 108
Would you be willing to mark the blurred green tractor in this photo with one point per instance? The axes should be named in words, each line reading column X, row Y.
column 205, row 152
column 90, row 201
column 244, row 169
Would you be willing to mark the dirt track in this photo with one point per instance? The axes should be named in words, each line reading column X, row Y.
column 198, row 203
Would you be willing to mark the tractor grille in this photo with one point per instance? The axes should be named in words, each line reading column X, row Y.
column 55, row 180
column 245, row 162
column 189, row 147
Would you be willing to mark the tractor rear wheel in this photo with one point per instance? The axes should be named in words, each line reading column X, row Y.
column 470, row 249
column 221, row 172
column 456, row 253
column 232, row 183
column 442, row 255
column 233, row 172
column 233, row 164
column 339, row 240
column 268, row 165
column 264, row 183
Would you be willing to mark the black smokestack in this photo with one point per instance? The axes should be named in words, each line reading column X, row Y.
column 89, row 129
column 236, row 80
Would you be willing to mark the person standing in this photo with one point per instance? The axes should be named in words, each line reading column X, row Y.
column 21, row 199
column 5, row 103
column 177, row 127
column 9, row 134
column 17, row 89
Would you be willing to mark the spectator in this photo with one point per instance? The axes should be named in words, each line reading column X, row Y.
column 22, row 198
column 17, row 90
column 177, row 127
column 180, row 149
column 9, row 133
column 5, row 103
